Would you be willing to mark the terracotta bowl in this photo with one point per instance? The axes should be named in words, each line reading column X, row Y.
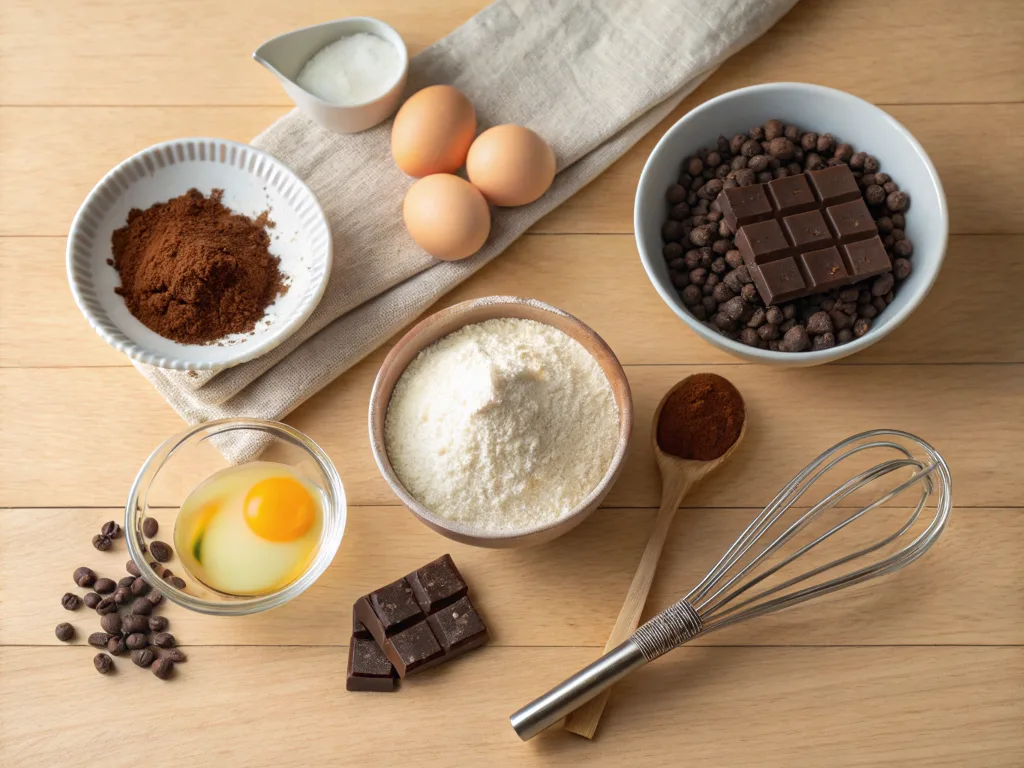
column 451, row 319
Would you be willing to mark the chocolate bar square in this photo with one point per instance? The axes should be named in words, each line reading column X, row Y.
column 368, row 667
column 744, row 205
column 396, row 607
column 807, row 230
column 824, row 269
column 780, row 280
column 791, row 194
column 762, row 242
column 415, row 647
column 867, row 257
column 851, row 221
column 359, row 629
column 436, row 584
column 834, row 185
column 458, row 627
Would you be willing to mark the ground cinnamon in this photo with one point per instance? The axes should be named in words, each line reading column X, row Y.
column 193, row 270
column 701, row 419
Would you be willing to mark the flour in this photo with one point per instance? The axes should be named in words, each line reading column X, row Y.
column 503, row 425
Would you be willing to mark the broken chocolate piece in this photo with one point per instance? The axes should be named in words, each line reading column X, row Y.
column 368, row 667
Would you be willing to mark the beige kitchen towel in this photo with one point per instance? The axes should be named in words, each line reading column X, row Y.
column 590, row 76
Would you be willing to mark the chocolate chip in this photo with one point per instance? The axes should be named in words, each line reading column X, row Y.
column 826, row 145
column 824, row 341
column 903, row 248
column 749, row 337
column 64, row 632
column 795, row 340
column 897, row 202
column 874, row 195
column 857, row 160
column 91, row 599
column 773, row 129
column 901, row 267
column 143, row 657
column 103, row 663
column 781, row 149
column 768, row 332
column 749, row 292
column 111, row 530
column 163, row 668
column 671, row 231
column 819, row 323
column 882, row 284
column 99, row 639
column 861, row 327
column 675, row 195
column 71, row 602
column 101, row 542
column 871, row 165
column 85, row 577
column 105, row 586
column 792, row 133
column 161, row 551
column 694, row 166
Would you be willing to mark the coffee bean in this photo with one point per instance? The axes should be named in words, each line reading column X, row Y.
column 111, row 530
column 64, row 632
column 140, row 587
column 106, row 605
column 116, row 646
column 132, row 568
column 137, row 640
column 99, row 639
column 103, row 663
column 177, row 582
column 163, row 668
column 164, row 640
column 105, row 586
column 85, row 577
column 133, row 623
column 161, row 551
column 176, row 655
column 111, row 624
column 143, row 606
column 158, row 623
column 101, row 542
column 166, row 574
column 91, row 599
column 71, row 602
column 122, row 595
column 155, row 598
column 143, row 657
column 125, row 581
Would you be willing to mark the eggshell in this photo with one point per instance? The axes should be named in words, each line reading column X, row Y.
column 511, row 165
column 446, row 216
column 432, row 131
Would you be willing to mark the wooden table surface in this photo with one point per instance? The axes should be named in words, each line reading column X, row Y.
column 927, row 669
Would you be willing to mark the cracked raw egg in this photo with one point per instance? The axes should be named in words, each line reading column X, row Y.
column 249, row 529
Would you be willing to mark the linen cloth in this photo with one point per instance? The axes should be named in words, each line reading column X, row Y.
column 590, row 76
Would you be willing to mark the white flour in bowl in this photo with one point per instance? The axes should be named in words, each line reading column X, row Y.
column 503, row 425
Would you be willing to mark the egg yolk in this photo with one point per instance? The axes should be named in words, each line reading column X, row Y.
column 279, row 509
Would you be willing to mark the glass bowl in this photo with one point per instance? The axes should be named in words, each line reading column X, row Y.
column 185, row 460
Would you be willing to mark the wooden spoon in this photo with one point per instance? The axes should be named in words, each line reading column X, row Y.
column 678, row 476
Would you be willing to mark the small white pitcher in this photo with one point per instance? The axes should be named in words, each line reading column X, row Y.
column 286, row 54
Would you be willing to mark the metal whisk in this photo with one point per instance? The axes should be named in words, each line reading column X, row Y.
column 740, row 587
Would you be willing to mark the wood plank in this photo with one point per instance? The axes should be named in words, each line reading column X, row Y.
column 95, row 53
column 969, row 317
column 955, row 595
column 281, row 707
column 87, row 431
column 36, row 141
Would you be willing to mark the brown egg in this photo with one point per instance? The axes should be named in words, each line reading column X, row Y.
column 432, row 131
column 511, row 165
column 446, row 216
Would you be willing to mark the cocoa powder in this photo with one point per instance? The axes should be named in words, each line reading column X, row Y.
column 702, row 418
column 194, row 271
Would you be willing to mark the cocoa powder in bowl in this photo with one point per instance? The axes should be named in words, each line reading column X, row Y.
column 193, row 270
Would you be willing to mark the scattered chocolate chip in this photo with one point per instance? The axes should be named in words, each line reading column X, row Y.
column 101, row 542
column 143, row 657
column 161, row 551
column 85, row 577
column 103, row 663
column 64, row 632
column 71, row 602
column 163, row 668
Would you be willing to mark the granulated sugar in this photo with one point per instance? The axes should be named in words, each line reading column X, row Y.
column 353, row 70
column 503, row 425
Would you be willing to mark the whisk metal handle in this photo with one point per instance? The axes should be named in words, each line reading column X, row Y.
column 669, row 629
column 545, row 711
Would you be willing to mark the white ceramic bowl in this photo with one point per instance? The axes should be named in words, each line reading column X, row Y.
column 286, row 54
column 253, row 182
column 824, row 110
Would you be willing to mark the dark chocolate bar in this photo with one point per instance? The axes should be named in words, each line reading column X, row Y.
column 424, row 619
column 804, row 234
column 368, row 668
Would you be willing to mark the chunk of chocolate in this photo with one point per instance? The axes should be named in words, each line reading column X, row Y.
column 368, row 668
column 444, row 624
column 359, row 629
column 744, row 205
column 818, row 235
